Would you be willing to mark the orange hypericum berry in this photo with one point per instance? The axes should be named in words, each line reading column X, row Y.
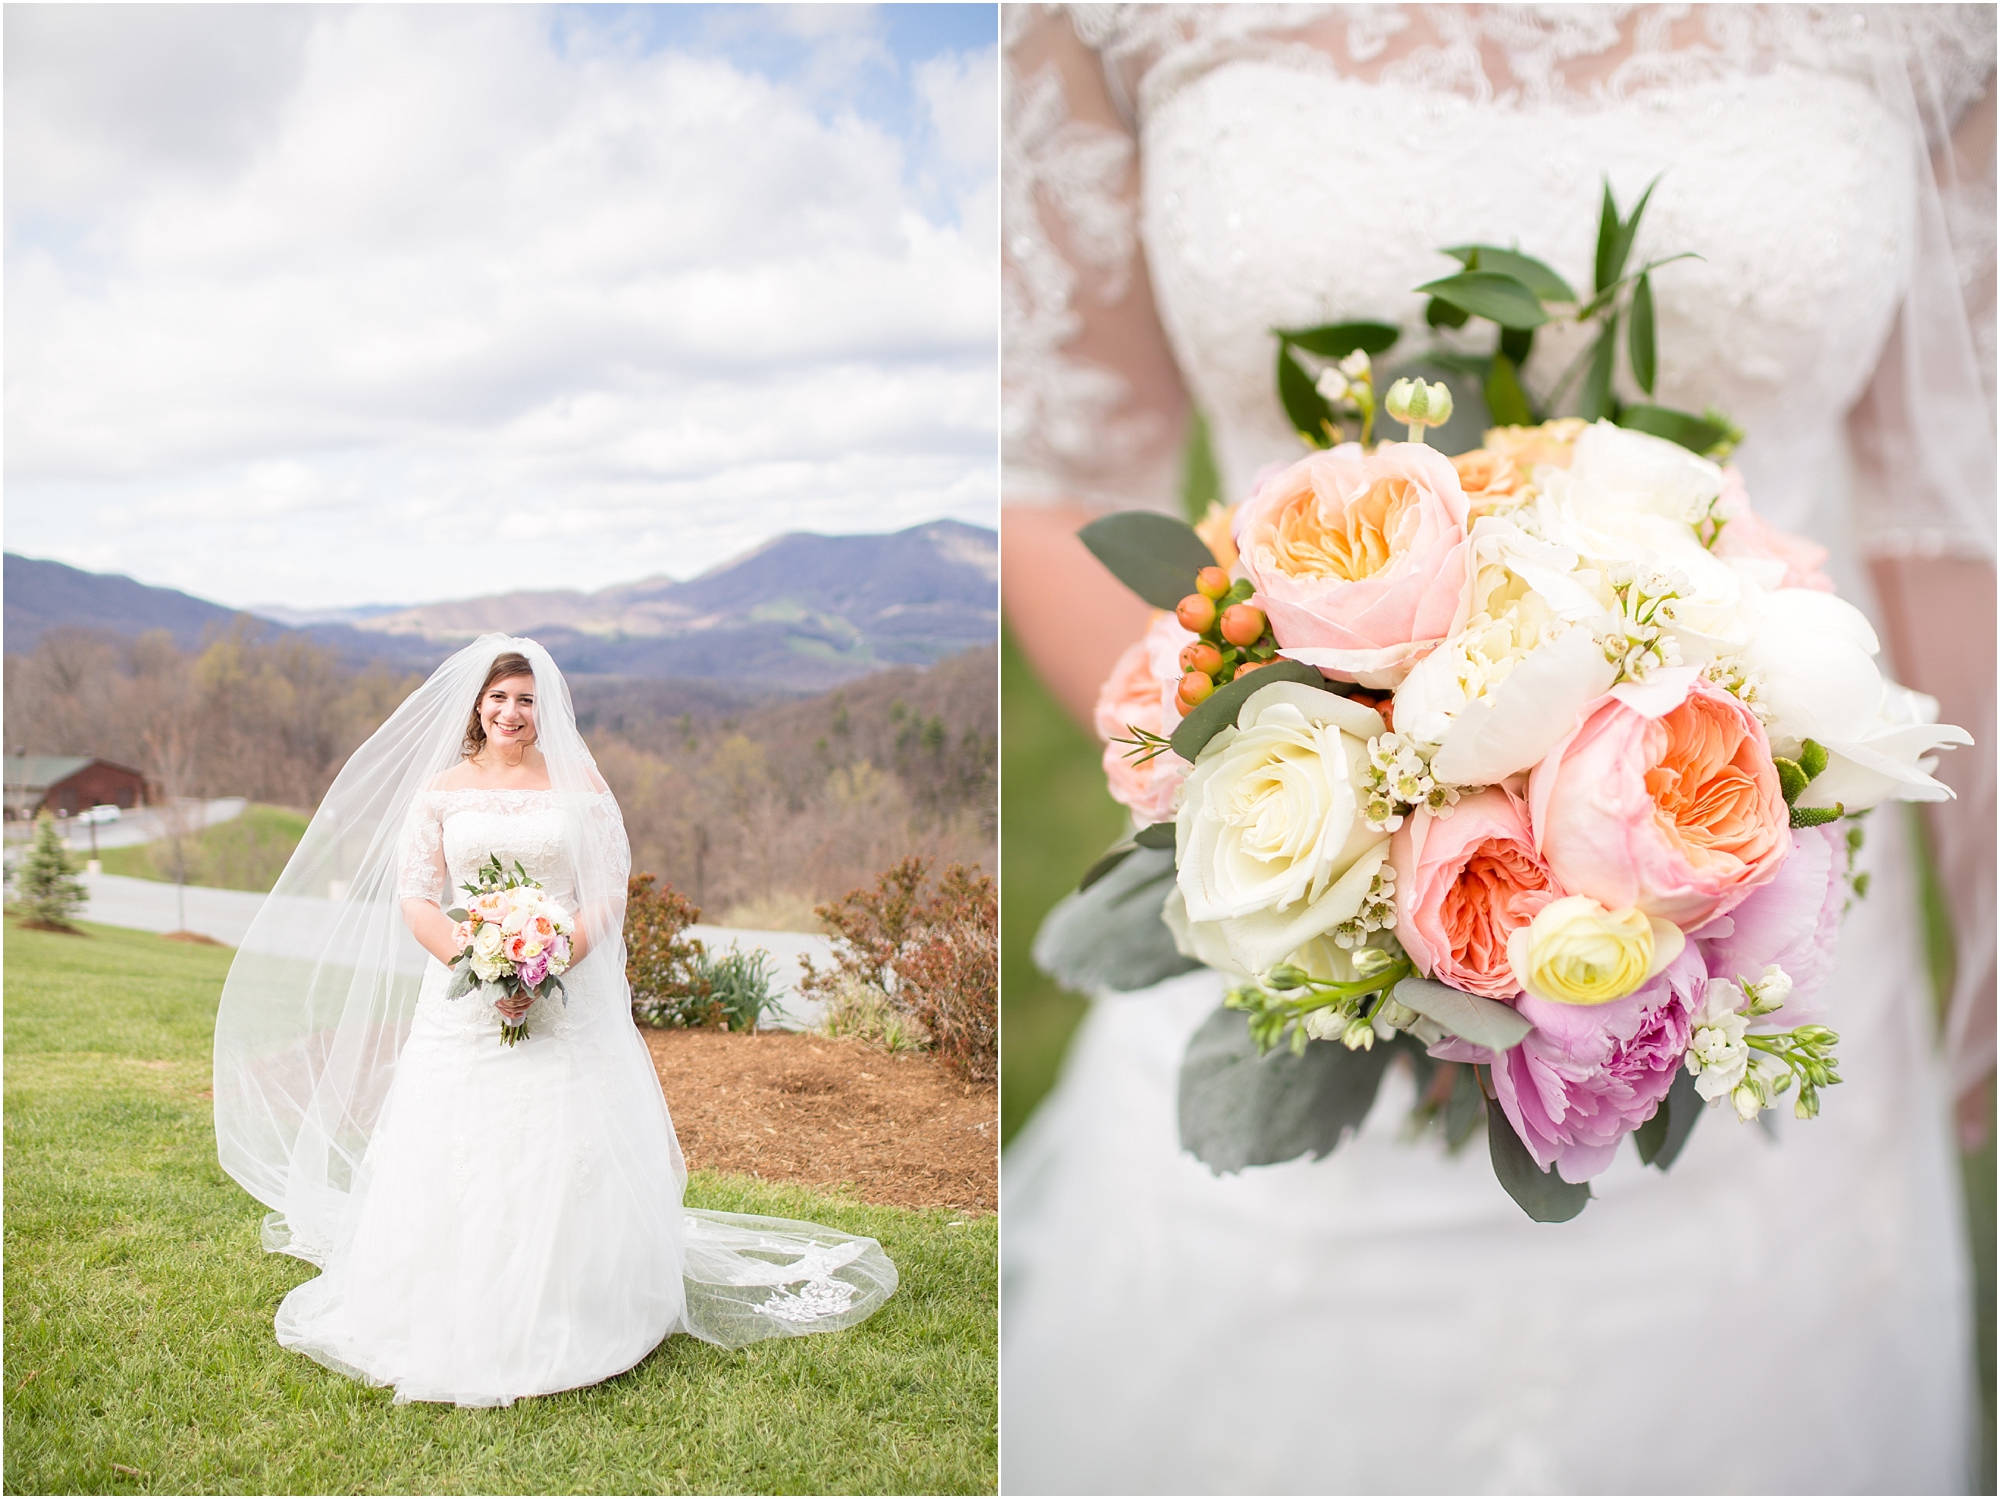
column 1196, row 612
column 1211, row 582
column 1195, row 689
column 1243, row 624
column 1201, row 657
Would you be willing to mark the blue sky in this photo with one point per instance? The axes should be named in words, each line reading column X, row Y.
column 337, row 306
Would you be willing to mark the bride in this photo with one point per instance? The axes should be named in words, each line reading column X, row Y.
column 490, row 1221
column 1775, row 1318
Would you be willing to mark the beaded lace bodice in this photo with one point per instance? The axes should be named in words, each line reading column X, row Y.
column 1300, row 165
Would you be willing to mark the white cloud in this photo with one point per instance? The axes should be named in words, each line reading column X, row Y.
column 297, row 321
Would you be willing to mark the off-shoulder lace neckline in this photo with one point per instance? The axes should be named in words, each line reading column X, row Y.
column 505, row 791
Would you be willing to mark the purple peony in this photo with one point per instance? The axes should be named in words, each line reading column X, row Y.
column 1794, row 921
column 1588, row 1075
column 534, row 970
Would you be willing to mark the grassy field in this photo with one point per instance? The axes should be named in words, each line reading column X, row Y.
column 139, row 1350
column 245, row 853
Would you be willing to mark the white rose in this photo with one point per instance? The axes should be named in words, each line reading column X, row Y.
column 486, row 943
column 1270, row 842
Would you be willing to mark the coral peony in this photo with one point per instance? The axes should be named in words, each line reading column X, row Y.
column 1464, row 884
column 1664, row 797
column 1359, row 560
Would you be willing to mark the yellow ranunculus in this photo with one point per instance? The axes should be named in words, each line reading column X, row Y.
column 1577, row 953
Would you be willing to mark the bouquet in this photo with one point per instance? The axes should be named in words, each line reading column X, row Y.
column 1541, row 764
column 513, row 941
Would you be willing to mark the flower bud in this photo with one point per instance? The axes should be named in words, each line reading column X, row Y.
column 1287, row 976
column 1359, row 1035
column 1201, row 657
column 1332, row 384
column 1243, row 624
column 1355, row 365
column 1195, row 689
column 1419, row 405
column 1196, row 612
column 1211, row 582
column 1369, row 961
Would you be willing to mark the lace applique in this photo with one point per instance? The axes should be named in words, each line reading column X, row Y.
column 811, row 1302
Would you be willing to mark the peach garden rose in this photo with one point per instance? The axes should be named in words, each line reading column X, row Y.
column 1464, row 884
column 1359, row 559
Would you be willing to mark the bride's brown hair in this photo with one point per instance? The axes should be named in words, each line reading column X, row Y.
column 508, row 664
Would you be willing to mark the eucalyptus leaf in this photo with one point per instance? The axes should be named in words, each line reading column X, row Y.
column 1222, row 706
column 1530, row 272
column 1338, row 340
column 1442, row 314
column 457, row 913
column 1154, row 555
column 1594, row 402
column 1310, row 415
column 1110, row 860
column 1238, row 1109
column 1111, row 935
column 1659, row 1139
column 1640, row 336
column 1465, row 1108
column 1695, row 433
column 1155, row 835
column 1491, row 295
column 1483, row 1022
column 1543, row 1195
column 1504, row 397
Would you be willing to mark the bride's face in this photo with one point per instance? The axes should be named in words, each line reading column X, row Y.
column 507, row 712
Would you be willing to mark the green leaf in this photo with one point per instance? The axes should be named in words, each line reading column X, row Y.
column 1594, row 402
column 1696, row 434
column 1505, row 399
column 1465, row 1108
column 1155, row 556
column 1453, row 361
column 1791, row 778
column 1543, row 1195
column 1644, row 367
column 1517, row 344
column 1303, row 403
column 463, row 982
column 1490, row 295
column 1155, row 835
column 1483, row 1022
column 1111, row 859
column 457, row 913
column 1238, row 1109
column 1660, row 1138
column 1338, row 340
column 1221, row 708
column 1441, row 314
column 1527, row 270
column 1607, row 239
column 1111, row 935
column 1628, row 231
column 1813, row 817
column 1812, row 759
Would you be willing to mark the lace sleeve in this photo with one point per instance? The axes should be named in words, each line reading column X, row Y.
column 420, row 869
column 1092, row 405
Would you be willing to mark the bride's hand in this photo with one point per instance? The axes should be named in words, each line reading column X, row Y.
column 513, row 1007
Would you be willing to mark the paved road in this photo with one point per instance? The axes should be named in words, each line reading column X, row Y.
column 143, row 825
column 225, row 915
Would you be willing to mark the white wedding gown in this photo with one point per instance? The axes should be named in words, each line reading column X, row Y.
column 1778, row 1316
column 515, row 1226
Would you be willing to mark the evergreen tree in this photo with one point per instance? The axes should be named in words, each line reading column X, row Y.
column 48, row 886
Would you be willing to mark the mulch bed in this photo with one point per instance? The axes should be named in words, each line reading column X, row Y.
column 901, row 1130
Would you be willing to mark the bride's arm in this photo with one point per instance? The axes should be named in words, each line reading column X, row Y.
column 1093, row 399
column 422, row 882
column 430, row 926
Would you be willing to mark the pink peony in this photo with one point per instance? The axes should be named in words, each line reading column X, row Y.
column 534, row 970
column 1663, row 797
column 1359, row 560
column 1749, row 536
column 1139, row 693
column 1464, row 884
column 1588, row 1075
column 1794, row 921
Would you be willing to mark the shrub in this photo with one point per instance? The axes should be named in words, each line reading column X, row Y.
column 47, row 884
column 862, row 1011
column 663, row 965
column 740, row 986
column 937, row 961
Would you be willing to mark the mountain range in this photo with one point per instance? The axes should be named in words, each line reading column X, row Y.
column 799, row 612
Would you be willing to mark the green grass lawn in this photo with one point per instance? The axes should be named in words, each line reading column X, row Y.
column 245, row 853
column 138, row 1342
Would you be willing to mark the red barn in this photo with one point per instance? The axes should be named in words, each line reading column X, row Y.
column 69, row 784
